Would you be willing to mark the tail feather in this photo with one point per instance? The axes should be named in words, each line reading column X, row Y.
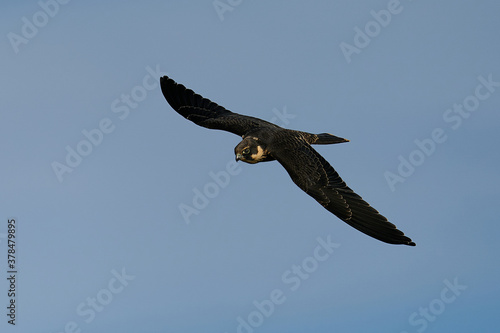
column 323, row 138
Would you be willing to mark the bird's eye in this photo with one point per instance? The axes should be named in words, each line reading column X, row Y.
column 246, row 151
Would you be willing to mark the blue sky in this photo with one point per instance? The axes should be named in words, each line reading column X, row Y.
column 101, row 242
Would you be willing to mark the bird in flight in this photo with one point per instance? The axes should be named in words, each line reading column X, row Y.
column 264, row 141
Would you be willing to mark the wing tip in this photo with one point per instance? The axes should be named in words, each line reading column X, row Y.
column 164, row 79
column 403, row 240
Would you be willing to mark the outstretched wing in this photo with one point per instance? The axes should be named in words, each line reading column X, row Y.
column 313, row 174
column 206, row 113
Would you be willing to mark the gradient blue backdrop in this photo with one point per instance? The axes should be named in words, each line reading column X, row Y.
column 118, row 210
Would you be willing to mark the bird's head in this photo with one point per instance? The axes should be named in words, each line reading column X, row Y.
column 250, row 150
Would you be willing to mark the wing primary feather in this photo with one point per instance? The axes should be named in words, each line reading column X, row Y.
column 206, row 113
column 315, row 176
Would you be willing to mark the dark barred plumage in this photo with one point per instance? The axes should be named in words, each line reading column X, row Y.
column 264, row 141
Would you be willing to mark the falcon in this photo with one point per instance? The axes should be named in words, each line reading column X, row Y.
column 264, row 141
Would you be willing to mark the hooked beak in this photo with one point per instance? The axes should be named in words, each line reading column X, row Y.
column 238, row 157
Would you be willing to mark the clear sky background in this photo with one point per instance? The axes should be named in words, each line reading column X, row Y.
column 102, row 245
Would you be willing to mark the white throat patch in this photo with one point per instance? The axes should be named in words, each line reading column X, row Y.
column 259, row 155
